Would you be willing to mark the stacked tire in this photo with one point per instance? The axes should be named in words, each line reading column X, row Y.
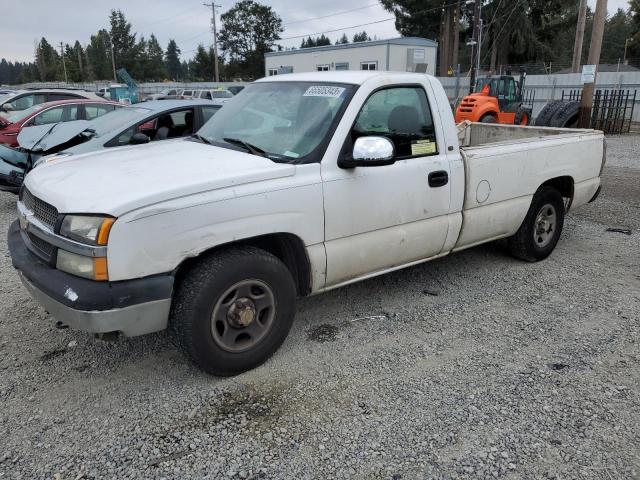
column 559, row 113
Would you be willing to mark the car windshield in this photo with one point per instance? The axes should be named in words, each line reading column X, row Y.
column 285, row 120
column 221, row 94
column 120, row 117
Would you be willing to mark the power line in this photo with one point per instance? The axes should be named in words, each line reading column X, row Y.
column 369, row 23
column 338, row 29
column 331, row 14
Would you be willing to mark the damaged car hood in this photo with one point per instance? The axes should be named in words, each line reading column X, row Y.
column 42, row 138
column 119, row 180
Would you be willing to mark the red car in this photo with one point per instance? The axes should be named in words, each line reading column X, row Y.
column 51, row 112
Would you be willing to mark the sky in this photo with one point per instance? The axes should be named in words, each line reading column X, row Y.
column 24, row 22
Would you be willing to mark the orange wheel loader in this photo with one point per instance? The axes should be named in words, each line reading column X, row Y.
column 496, row 100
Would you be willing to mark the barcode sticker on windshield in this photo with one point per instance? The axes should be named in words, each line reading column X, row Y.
column 323, row 91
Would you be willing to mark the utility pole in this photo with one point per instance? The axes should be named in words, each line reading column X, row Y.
column 213, row 6
column 456, row 36
column 113, row 60
column 577, row 46
column 586, row 104
column 64, row 65
column 475, row 49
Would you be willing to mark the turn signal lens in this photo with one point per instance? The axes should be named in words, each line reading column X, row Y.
column 105, row 228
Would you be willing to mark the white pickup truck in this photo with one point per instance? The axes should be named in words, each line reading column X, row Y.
column 302, row 184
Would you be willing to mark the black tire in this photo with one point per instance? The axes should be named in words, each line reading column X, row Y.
column 199, row 293
column 548, row 111
column 526, row 244
column 489, row 119
column 566, row 116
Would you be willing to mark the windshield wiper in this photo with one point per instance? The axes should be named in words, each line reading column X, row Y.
column 249, row 147
column 197, row 136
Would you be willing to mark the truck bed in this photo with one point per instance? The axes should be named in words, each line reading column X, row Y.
column 505, row 165
column 481, row 134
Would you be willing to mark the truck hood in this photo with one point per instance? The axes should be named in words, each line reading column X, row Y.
column 49, row 136
column 118, row 180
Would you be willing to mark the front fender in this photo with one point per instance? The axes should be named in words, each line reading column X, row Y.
column 158, row 238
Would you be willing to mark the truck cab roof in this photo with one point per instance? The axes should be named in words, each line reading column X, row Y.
column 351, row 77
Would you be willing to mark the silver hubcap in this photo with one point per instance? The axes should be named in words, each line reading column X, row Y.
column 243, row 315
column 545, row 226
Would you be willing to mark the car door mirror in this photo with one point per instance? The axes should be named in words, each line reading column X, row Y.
column 7, row 107
column 139, row 139
column 370, row 151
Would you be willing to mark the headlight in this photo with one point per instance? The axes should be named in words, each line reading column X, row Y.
column 94, row 268
column 87, row 229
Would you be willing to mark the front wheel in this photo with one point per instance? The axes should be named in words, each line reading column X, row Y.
column 233, row 309
column 540, row 231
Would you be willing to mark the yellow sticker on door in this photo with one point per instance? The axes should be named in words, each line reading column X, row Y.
column 423, row 147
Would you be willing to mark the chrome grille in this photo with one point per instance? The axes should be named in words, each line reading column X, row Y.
column 47, row 214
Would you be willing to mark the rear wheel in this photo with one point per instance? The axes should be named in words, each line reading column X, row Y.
column 540, row 231
column 489, row 119
column 233, row 309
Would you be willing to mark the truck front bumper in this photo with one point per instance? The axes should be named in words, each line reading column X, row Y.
column 131, row 307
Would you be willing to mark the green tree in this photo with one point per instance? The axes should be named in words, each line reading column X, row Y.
column 617, row 30
column 73, row 58
column 48, row 62
column 172, row 60
column 201, row 67
column 155, row 60
column 342, row 40
column 361, row 37
column 125, row 48
column 249, row 30
column 322, row 40
column 98, row 54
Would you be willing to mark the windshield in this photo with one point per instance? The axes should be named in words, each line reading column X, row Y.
column 119, row 118
column 287, row 120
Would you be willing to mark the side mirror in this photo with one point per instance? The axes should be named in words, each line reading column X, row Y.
column 139, row 139
column 7, row 107
column 370, row 152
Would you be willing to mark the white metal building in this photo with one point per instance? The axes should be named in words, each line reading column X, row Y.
column 405, row 54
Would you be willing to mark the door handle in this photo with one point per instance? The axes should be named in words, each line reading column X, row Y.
column 438, row 179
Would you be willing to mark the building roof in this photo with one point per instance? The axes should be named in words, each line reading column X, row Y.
column 353, row 77
column 412, row 41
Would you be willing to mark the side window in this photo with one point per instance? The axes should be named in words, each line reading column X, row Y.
column 95, row 110
column 208, row 112
column 52, row 115
column 401, row 114
column 70, row 113
column 123, row 138
column 52, row 97
column 206, row 95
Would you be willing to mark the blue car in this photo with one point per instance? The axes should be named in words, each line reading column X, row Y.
column 133, row 125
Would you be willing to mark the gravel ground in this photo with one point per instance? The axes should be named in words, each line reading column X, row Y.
column 472, row 366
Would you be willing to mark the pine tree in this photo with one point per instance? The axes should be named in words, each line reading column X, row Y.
column 172, row 60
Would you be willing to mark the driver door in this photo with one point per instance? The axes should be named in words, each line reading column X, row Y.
column 382, row 217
